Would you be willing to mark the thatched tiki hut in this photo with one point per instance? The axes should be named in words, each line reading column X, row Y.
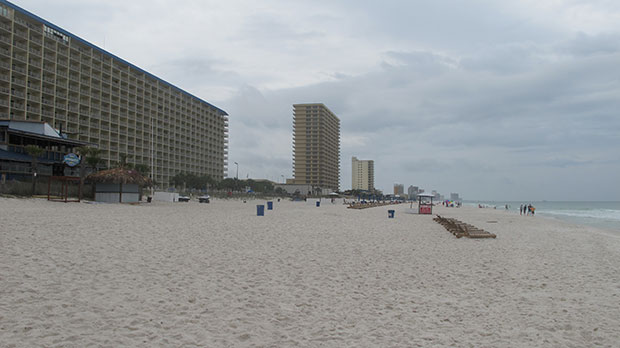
column 118, row 185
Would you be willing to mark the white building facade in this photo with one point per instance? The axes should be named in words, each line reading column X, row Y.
column 362, row 174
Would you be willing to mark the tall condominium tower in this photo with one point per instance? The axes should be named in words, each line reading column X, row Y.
column 316, row 146
column 48, row 74
column 362, row 174
column 399, row 189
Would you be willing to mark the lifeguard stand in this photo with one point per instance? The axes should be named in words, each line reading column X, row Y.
column 425, row 203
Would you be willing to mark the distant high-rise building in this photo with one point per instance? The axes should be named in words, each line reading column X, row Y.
column 316, row 146
column 455, row 197
column 413, row 191
column 399, row 189
column 362, row 174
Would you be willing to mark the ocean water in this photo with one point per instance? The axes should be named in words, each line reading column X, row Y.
column 604, row 215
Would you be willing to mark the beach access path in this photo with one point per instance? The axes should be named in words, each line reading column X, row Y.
column 217, row 275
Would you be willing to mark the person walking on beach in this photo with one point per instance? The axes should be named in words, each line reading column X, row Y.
column 521, row 209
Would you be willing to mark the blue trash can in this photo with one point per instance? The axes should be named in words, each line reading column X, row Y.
column 391, row 214
column 260, row 210
column 318, row 203
column 269, row 205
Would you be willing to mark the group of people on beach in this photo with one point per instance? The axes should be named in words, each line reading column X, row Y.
column 527, row 209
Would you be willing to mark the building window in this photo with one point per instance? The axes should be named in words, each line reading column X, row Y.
column 55, row 34
column 5, row 11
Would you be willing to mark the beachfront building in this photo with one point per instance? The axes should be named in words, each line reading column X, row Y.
column 48, row 74
column 316, row 147
column 362, row 174
column 15, row 136
column 399, row 189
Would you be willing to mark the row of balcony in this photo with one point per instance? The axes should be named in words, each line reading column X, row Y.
column 85, row 90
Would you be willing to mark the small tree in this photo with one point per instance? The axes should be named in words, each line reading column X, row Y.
column 90, row 156
column 35, row 152
column 123, row 161
column 192, row 181
column 93, row 158
column 143, row 169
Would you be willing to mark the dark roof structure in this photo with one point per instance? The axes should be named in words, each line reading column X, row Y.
column 38, row 130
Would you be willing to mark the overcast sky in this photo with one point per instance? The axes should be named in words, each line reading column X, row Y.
column 504, row 100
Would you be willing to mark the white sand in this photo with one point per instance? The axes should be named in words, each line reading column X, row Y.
column 216, row 275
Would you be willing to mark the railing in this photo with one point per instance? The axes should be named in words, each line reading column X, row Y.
column 21, row 45
column 19, row 57
column 34, row 51
column 18, row 81
column 19, row 69
column 21, row 33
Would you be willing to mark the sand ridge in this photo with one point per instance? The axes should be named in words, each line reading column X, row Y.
column 217, row 275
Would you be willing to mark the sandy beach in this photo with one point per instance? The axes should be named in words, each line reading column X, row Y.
column 217, row 275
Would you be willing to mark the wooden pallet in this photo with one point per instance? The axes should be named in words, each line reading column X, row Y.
column 461, row 229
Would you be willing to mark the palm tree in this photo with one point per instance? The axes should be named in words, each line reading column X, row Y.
column 123, row 161
column 34, row 151
column 90, row 156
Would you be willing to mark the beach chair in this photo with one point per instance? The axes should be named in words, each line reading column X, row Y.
column 461, row 229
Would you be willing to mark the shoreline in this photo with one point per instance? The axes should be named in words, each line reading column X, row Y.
column 597, row 223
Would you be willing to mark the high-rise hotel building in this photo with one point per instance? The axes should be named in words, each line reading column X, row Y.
column 47, row 74
column 316, row 146
column 362, row 174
